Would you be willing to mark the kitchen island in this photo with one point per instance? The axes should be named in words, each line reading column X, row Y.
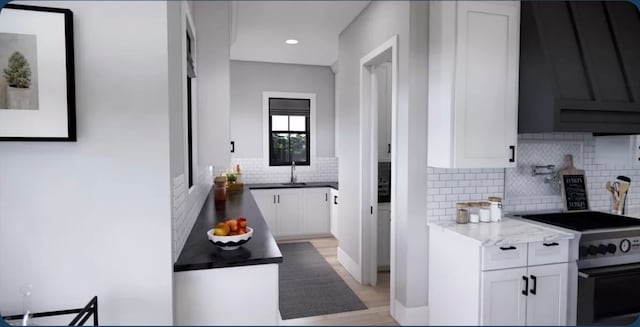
column 211, row 285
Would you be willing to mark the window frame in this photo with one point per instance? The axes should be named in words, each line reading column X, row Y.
column 267, row 132
column 307, row 133
column 190, row 109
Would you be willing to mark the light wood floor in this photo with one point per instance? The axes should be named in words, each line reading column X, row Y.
column 375, row 298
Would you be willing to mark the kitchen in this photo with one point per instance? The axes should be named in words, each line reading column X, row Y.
column 131, row 192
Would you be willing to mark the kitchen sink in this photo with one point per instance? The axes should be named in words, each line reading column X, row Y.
column 295, row 184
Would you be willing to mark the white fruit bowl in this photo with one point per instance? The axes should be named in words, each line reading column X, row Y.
column 231, row 242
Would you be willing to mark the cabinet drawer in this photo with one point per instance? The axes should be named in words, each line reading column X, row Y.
column 542, row 253
column 504, row 256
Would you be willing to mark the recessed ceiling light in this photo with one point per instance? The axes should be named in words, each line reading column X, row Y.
column 291, row 41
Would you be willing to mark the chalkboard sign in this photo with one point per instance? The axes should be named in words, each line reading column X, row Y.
column 574, row 192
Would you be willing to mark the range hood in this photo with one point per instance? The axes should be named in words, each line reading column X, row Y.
column 579, row 67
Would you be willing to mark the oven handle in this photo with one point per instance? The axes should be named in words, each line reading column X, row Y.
column 633, row 268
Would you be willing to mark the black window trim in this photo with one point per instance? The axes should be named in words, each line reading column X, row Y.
column 273, row 163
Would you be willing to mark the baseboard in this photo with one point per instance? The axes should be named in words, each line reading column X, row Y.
column 351, row 266
column 413, row 316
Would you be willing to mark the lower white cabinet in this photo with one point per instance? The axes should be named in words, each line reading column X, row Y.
column 295, row 212
column 493, row 285
column 384, row 236
column 502, row 300
column 333, row 215
column 315, row 219
column 535, row 295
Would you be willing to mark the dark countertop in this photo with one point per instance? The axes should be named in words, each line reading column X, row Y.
column 333, row 185
column 200, row 253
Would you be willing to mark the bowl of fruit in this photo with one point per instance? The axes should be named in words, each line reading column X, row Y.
column 230, row 234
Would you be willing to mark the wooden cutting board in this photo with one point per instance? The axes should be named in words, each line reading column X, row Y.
column 573, row 187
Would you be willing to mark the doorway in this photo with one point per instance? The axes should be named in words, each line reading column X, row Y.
column 376, row 145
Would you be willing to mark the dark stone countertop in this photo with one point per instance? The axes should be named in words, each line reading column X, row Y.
column 200, row 253
column 265, row 186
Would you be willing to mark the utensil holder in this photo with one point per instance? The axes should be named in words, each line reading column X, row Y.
column 618, row 206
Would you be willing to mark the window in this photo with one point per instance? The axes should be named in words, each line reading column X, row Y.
column 289, row 131
column 190, row 75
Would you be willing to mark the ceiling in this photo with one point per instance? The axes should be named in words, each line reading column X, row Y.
column 259, row 29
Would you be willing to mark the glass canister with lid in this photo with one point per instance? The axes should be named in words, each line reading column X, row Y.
column 485, row 213
column 474, row 212
column 496, row 208
column 462, row 213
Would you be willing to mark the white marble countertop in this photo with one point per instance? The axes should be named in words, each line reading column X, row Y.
column 507, row 231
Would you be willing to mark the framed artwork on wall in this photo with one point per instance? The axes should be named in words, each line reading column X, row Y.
column 37, row 86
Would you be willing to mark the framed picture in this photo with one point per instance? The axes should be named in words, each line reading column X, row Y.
column 37, row 87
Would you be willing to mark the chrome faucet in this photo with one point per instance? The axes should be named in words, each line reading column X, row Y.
column 293, row 172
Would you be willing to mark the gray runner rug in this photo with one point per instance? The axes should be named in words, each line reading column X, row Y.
column 309, row 286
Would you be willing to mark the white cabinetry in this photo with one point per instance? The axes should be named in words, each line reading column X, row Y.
column 281, row 209
column 618, row 150
column 535, row 296
column 295, row 212
column 473, row 83
column 516, row 284
column 384, row 236
column 502, row 301
column 266, row 201
column 334, row 213
column 289, row 212
column 316, row 211
column 383, row 80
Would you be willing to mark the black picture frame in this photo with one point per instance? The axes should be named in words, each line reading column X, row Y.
column 56, row 109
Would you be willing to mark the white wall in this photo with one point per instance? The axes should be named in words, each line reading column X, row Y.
column 210, row 109
column 378, row 23
column 93, row 217
column 250, row 79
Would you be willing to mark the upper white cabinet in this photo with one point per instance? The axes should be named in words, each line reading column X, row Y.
column 382, row 75
column 473, row 84
column 618, row 150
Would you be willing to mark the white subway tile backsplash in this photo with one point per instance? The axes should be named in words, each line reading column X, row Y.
column 255, row 171
column 521, row 191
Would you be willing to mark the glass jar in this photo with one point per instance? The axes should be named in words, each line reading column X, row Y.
column 474, row 212
column 485, row 213
column 462, row 213
column 496, row 208
column 219, row 188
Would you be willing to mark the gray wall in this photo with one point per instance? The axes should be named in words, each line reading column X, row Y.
column 250, row 79
column 92, row 217
column 376, row 24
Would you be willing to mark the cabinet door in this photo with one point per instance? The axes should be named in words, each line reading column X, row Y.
column 547, row 300
column 486, row 84
column 384, row 236
column 334, row 213
column 316, row 211
column 502, row 301
column 266, row 201
column 289, row 211
column 383, row 79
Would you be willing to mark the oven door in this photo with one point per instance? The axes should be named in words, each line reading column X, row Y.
column 609, row 295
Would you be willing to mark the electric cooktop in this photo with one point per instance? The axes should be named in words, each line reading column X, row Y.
column 585, row 221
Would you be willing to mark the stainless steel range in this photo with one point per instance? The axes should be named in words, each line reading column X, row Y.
column 605, row 279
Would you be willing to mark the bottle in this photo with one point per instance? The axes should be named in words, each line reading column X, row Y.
column 496, row 208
